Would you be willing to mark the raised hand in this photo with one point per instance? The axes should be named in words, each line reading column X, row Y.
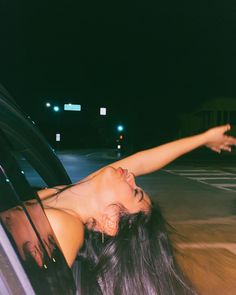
column 217, row 140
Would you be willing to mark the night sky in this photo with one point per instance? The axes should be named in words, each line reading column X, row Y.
column 147, row 61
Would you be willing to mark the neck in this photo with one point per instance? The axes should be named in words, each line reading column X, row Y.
column 75, row 200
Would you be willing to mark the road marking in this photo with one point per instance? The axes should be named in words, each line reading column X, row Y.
column 228, row 184
column 220, row 186
column 225, row 184
column 204, row 176
column 187, row 170
column 211, row 178
column 205, row 173
column 228, row 246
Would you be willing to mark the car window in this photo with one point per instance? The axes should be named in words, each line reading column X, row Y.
column 27, row 163
column 25, row 138
column 31, row 174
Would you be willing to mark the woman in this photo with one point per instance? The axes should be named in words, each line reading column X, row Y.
column 121, row 237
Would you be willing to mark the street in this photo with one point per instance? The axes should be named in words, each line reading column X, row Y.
column 200, row 204
column 198, row 198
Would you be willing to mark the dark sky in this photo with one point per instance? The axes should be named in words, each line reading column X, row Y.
column 147, row 60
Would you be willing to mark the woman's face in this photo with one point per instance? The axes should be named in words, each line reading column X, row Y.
column 117, row 186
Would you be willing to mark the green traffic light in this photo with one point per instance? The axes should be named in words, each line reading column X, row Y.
column 120, row 128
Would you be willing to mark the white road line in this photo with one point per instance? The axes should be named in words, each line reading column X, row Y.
column 223, row 187
column 207, row 173
column 211, row 178
column 203, row 175
column 187, row 170
column 225, row 184
column 219, row 187
column 228, row 246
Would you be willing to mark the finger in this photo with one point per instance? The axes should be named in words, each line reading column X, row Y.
column 225, row 127
column 214, row 149
column 226, row 148
column 232, row 139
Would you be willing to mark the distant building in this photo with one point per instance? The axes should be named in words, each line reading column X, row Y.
column 213, row 112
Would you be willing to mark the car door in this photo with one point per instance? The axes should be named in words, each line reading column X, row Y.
column 38, row 266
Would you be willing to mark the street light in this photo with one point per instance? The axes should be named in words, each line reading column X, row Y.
column 48, row 104
column 120, row 128
column 56, row 108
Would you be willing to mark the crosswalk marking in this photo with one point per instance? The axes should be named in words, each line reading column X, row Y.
column 215, row 177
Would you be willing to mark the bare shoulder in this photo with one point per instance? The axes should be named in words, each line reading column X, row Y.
column 69, row 232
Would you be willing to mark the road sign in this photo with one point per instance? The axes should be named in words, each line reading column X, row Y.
column 72, row 107
column 58, row 137
column 103, row 111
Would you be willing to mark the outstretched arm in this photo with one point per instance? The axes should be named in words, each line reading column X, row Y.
column 150, row 160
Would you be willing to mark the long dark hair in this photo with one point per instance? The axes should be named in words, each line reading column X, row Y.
column 139, row 260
